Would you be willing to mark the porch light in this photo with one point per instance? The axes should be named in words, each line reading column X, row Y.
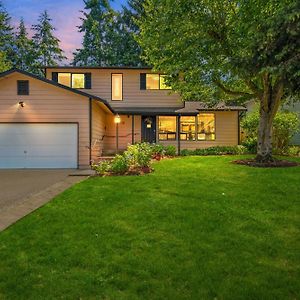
column 21, row 104
column 117, row 119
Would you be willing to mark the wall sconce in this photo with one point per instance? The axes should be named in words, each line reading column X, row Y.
column 21, row 104
column 117, row 119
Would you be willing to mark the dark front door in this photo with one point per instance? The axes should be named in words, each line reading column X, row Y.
column 149, row 129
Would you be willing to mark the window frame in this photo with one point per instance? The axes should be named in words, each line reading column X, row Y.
column 159, row 76
column 197, row 127
column 176, row 129
column 111, row 87
column 195, row 132
column 71, row 79
column 19, row 93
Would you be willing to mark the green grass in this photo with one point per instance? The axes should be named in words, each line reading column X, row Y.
column 196, row 228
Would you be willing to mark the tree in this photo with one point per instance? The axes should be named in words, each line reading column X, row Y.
column 4, row 64
column 6, row 35
column 46, row 44
column 214, row 50
column 95, row 26
column 26, row 56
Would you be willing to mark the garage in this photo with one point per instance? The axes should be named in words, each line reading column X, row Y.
column 42, row 145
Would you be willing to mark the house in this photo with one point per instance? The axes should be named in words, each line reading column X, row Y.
column 77, row 114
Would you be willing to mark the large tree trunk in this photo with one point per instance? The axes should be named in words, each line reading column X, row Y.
column 269, row 104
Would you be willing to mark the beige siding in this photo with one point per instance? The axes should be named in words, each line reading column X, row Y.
column 132, row 95
column 125, row 133
column 226, row 126
column 98, row 130
column 46, row 103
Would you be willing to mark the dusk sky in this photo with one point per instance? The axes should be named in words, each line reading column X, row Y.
column 65, row 15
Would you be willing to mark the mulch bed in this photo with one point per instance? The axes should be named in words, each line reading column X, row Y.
column 274, row 164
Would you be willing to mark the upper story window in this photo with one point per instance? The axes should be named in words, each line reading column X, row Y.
column 206, row 127
column 188, row 128
column 117, row 87
column 23, row 87
column 153, row 82
column 167, row 128
column 73, row 80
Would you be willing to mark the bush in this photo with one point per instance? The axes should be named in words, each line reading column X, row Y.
column 285, row 125
column 139, row 155
column 102, row 168
column 158, row 149
column 218, row 150
column 120, row 164
column 170, row 150
column 294, row 151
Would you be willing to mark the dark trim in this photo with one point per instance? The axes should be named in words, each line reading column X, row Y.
column 22, row 87
column 76, row 123
column 91, row 129
column 239, row 129
column 6, row 73
column 132, row 129
column 178, row 134
column 111, row 76
column 159, row 75
column 99, row 67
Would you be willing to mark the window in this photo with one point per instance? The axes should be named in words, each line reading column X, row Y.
column 78, row 81
column 206, row 127
column 23, row 87
column 74, row 80
column 166, row 128
column 153, row 82
column 116, row 86
column 188, row 128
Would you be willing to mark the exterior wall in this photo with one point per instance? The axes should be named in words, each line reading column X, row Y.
column 46, row 103
column 132, row 95
column 226, row 127
column 125, row 133
column 98, row 130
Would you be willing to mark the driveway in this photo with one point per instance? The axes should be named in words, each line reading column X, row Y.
column 22, row 191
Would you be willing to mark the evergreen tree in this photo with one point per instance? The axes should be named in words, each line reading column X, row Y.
column 95, row 26
column 26, row 56
column 4, row 64
column 46, row 44
column 6, row 35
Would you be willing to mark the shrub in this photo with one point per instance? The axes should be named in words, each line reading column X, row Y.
column 139, row 155
column 120, row 164
column 218, row 150
column 158, row 149
column 102, row 168
column 170, row 150
column 285, row 125
column 294, row 151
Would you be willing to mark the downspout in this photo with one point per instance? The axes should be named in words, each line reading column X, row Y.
column 178, row 134
column 90, row 125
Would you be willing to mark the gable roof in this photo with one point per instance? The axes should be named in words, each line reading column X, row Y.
column 15, row 70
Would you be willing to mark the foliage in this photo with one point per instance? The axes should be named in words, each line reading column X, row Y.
column 285, row 125
column 119, row 164
column 4, row 64
column 294, row 151
column 139, row 155
column 229, row 50
column 170, row 150
column 158, row 149
column 102, row 168
column 217, row 150
column 46, row 44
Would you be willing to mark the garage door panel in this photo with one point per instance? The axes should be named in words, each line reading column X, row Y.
column 38, row 145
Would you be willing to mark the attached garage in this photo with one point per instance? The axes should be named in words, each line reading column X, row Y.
column 47, row 125
column 38, row 146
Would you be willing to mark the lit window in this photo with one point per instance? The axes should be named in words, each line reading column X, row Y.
column 78, row 81
column 206, row 127
column 188, row 128
column 116, row 87
column 166, row 128
column 152, row 81
column 162, row 83
column 65, row 79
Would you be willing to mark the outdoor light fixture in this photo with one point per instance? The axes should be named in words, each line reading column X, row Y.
column 21, row 103
column 117, row 119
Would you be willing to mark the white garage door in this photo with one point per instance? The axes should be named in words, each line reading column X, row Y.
column 38, row 146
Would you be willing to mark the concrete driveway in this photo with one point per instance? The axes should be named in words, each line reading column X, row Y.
column 22, row 191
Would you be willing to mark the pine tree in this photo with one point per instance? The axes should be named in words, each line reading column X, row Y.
column 95, row 26
column 4, row 64
column 6, row 35
column 26, row 56
column 47, row 45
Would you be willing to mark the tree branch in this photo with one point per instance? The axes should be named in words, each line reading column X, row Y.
column 254, row 88
column 231, row 92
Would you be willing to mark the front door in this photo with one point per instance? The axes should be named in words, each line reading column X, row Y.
column 149, row 129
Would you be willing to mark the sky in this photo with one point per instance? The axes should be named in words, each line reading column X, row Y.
column 65, row 15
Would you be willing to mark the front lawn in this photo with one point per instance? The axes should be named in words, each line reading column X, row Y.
column 196, row 228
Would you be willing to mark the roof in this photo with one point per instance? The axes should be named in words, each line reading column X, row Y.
column 147, row 110
column 6, row 73
column 99, row 67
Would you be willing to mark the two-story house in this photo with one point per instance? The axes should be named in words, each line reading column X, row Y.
column 77, row 114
